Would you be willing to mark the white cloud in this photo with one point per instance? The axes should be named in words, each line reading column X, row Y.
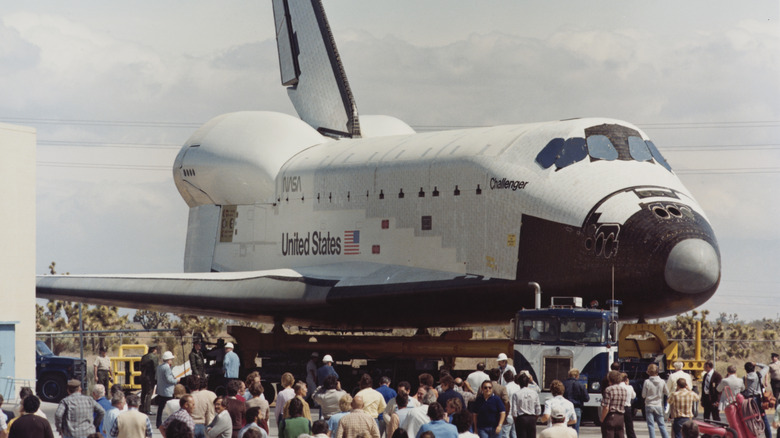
column 111, row 227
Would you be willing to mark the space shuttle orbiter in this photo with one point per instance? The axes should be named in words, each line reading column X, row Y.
column 344, row 220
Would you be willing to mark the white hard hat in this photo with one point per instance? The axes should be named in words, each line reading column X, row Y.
column 327, row 358
column 229, row 345
column 502, row 356
column 168, row 355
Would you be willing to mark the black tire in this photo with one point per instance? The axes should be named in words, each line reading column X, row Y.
column 269, row 391
column 52, row 388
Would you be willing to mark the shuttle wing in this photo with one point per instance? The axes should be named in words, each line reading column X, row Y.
column 215, row 294
column 336, row 295
column 312, row 70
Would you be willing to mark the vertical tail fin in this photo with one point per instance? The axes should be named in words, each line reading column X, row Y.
column 311, row 68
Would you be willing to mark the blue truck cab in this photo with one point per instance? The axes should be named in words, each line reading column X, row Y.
column 53, row 372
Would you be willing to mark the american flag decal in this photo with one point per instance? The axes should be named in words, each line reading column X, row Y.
column 352, row 242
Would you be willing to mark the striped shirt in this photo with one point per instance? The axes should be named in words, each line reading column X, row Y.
column 78, row 415
column 183, row 416
column 681, row 403
column 615, row 398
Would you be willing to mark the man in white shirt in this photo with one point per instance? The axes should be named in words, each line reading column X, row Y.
column 558, row 429
column 419, row 416
column 503, row 367
column 628, row 414
column 556, row 390
column 476, row 378
column 508, row 429
column 671, row 382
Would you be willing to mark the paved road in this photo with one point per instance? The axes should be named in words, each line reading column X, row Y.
column 588, row 431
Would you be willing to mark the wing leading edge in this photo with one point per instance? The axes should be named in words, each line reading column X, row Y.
column 345, row 294
column 255, row 295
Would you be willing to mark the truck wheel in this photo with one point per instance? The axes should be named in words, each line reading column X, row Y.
column 52, row 388
column 269, row 391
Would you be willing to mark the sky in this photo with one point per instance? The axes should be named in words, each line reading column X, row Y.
column 114, row 89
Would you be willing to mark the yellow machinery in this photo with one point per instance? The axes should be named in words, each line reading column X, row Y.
column 645, row 341
column 126, row 366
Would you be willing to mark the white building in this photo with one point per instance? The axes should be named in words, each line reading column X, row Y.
column 17, row 259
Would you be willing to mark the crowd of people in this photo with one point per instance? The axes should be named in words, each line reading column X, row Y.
column 186, row 408
column 487, row 404
column 760, row 383
column 495, row 403
column 504, row 403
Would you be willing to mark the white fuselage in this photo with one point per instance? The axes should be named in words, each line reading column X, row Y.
column 448, row 201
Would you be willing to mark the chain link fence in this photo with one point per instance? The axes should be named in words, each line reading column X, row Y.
column 731, row 351
column 86, row 347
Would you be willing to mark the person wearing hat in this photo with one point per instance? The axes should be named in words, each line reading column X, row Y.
column 503, row 367
column 77, row 415
column 102, row 369
column 558, row 428
column 197, row 361
column 230, row 364
column 165, row 384
column 326, row 369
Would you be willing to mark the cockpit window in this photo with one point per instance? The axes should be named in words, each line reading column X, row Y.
column 600, row 148
column 638, row 149
column 550, row 153
column 604, row 142
column 574, row 150
column 657, row 155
